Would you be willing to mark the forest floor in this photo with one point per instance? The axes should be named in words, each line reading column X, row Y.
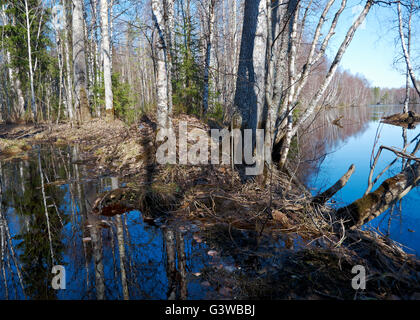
column 223, row 201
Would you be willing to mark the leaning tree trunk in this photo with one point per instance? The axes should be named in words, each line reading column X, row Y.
column 405, row 50
column 109, row 108
column 79, row 63
column 323, row 87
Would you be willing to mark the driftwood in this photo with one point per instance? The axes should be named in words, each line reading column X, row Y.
column 328, row 194
column 375, row 203
column 406, row 120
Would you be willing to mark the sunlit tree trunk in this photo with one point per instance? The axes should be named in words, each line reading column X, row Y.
column 406, row 49
column 31, row 72
column 109, row 108
column 292, row 130
column 69, row 87
column 209, row 50
column 292, row 47
column 163, row 65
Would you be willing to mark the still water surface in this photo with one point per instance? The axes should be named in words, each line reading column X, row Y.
column 352, row 143
column 46, row 220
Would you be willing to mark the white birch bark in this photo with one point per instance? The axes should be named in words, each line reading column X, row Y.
column 406, row 51
column 162, row 65
column 69, row 91
column 333, row 68
column 209, row 51
column 109, row 109
column 292, row 81
column 31, row 72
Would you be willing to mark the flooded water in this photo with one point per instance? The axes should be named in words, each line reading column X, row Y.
column 46, row 220
column 351, row 142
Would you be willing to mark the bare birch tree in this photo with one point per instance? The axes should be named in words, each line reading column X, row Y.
column 209, row 52
column 109, row 108
column 161, row 12
column 405, row 47
column 292, row 130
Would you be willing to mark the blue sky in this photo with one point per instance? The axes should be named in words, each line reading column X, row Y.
column 374, row 47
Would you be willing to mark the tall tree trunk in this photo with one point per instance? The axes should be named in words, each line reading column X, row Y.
column 406, row 52
column 109, row 108
column 250, row 86
column 31, row 72
column 69, row 89
column 163, row 65
column 294, row 7
column 79, row 63
column 209, row 49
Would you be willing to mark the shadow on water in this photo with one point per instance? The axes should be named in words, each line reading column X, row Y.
column 46, row 219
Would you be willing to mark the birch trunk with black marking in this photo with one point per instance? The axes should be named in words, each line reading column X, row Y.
column 109, row 108
column 209, row 52
column 162, row 63
column 405, row 50
column 69, row 89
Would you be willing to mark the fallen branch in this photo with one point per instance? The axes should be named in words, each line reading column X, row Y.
column 326, row 195
column 375, row 203
column 398, row 153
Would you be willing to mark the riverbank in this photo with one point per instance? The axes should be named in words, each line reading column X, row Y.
column 224, row 203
